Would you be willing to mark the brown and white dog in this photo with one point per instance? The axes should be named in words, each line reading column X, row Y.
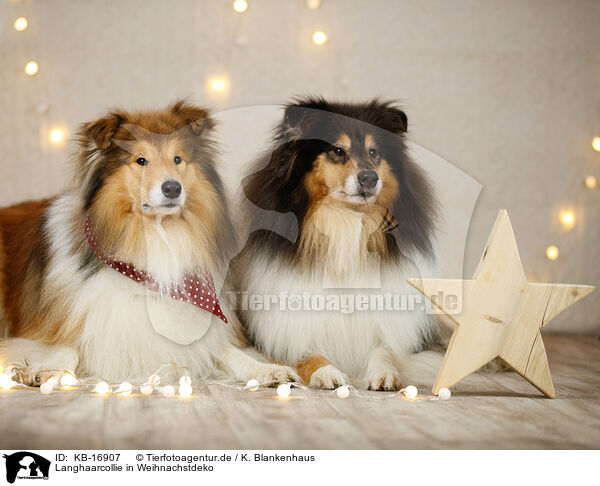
column 115, row 276
column 365, row 217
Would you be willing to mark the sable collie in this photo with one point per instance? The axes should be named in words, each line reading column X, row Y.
column 365, row 222
column 117, row 275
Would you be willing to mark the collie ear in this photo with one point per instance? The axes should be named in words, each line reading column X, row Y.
column 293, row 115
column 102, row 131
column 393, row 119
column 297, row 119
column 198, row 119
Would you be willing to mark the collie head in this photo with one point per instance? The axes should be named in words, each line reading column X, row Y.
column 148, row 184
column 347, row 160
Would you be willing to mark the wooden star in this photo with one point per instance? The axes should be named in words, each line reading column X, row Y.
column 502, row 313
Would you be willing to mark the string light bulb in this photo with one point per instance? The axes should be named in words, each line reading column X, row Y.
column 146, row 390
column 240, row 6
column 31, row 68
column 53, row 380
column 411, row 392
column 154, row 380
column 444, row 394
column 185, row 380
column 284, row 390
column 7, row 384
column 313, row 4
column 125, row 388
column 590, row 182
column 552, row 252
column 567, row 218
column 596, row 144
column 102, row 388
column 218, row 84
column 252, row 385
column 185, row 390
column 46, row 388
column 67, row 380
column 343, row 391
column 6, row 381
column 319, row 37
column 168, row 391
column 57, row 136
column 21, row 24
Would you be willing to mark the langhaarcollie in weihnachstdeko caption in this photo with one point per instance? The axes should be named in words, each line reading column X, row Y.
column 365, row 222
column 119, row 274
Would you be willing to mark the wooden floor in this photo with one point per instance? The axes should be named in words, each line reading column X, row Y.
column 486, row 411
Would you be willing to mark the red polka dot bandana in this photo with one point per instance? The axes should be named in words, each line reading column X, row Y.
column 198, row 289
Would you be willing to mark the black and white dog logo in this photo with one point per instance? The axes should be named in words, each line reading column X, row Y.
column 26, row 465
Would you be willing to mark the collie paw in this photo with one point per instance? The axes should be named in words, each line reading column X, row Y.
column 34, row 378
column 384, row 381
column 272, row 373
column 328, row 377
column 37, row 361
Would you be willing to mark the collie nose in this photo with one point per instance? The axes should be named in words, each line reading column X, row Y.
column 171, row 189
column 368, row 178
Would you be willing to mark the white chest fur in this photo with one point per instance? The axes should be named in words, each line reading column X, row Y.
column 123, row 330
column 345, row 273
column 129, row 332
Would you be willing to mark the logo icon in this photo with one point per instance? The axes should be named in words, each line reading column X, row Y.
column 26, row 465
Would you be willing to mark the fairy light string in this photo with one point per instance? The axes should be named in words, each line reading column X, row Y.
column 160, row 383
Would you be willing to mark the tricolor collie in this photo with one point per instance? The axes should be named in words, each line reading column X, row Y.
column 365, row 222
column 119, row 274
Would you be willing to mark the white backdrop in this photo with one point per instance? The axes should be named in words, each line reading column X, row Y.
column 505, row 90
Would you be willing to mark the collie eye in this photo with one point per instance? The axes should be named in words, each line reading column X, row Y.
column 177, row 160
column 142, row 161
column 339, row 151
column 373, row 152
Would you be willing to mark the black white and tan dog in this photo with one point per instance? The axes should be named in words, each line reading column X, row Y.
column 117, row 275
column 366, row 220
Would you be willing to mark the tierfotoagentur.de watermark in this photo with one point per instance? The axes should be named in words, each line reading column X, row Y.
column 346, row 303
